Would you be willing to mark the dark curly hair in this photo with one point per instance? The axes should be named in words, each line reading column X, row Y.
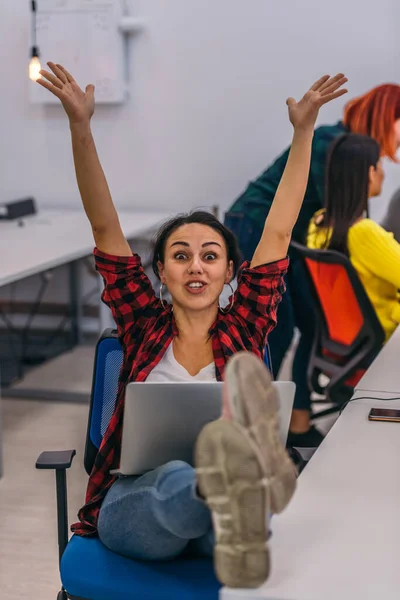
column 204, row 218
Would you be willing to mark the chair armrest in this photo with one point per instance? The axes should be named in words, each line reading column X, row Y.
column 55, row 459
column 59, row 461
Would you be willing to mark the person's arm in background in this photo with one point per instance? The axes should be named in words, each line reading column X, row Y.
column 93, row 187
column 289, row 196
column 391, row 221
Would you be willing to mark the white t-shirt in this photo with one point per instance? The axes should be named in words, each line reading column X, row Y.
column 168, row 369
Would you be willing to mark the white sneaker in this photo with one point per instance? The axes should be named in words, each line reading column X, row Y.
column 244, row 473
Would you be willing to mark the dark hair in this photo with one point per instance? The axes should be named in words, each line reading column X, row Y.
column 347, row 184
column 204, row 218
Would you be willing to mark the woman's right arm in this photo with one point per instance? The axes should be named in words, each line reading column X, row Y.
column 93, row 187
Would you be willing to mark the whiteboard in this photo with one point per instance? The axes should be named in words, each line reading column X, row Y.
column 83, row 36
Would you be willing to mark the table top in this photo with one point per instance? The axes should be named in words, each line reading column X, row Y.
column 384, row 373
column 55, row 237
column 339, row 538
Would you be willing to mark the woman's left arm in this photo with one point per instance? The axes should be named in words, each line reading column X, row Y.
column 289, row 196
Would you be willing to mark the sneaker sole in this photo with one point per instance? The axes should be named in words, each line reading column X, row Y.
column 254, row 404
column 231, row 478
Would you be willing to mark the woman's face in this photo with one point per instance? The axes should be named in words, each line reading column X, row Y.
column 376, row 178
column 195, row 266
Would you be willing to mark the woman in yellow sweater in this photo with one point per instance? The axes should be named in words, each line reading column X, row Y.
column 355, row 174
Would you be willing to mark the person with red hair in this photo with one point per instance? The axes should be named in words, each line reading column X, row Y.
column 375, row 114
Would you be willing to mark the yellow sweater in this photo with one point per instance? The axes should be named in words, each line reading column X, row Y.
column 375, row 255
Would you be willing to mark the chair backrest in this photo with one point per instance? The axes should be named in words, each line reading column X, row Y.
column 106, row 370
column 344, row 312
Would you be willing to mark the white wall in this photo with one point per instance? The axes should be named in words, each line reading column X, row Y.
column 208, row 83
column 209, row 79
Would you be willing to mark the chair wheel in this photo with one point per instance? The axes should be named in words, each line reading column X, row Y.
column 62, row 595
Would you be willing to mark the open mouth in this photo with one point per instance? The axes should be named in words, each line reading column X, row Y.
column 196, row 287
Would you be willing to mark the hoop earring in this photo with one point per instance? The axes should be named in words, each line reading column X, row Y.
column 161, row 298
column 227, row 310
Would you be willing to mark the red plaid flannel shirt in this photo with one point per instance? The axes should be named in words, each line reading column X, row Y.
column 146, row 329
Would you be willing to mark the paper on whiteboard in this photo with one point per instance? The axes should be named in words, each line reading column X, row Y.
column 83, row 36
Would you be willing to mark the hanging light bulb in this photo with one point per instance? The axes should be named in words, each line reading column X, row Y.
column 34, row 65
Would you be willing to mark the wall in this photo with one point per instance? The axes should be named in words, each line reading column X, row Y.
column 207, row 106
column 208, row 85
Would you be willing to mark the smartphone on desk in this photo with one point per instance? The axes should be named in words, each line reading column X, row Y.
column 384, row 414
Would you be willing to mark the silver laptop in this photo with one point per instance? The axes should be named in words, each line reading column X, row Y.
column 163, row 420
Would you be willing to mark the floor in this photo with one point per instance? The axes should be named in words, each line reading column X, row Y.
column 71, row 372
column 28, row 546
column 28, row 536
column 28, row 533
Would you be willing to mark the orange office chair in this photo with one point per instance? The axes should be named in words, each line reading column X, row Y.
column 348, row 334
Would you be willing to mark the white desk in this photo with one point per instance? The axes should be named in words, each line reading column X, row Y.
column 384, row 373
column 339, row 539
column 58, row 237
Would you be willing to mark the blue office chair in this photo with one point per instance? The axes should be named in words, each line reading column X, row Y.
column 89, row 571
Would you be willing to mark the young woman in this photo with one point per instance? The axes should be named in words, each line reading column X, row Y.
column 354, row 174
column 377, row 114
column 243, row 471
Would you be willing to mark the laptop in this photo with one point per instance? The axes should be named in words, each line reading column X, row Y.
column 163, row 420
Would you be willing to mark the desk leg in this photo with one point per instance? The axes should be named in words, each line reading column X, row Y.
column 75, row 300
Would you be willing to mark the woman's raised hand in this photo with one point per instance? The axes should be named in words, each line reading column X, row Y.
column 78, row 104
column 304, row 113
